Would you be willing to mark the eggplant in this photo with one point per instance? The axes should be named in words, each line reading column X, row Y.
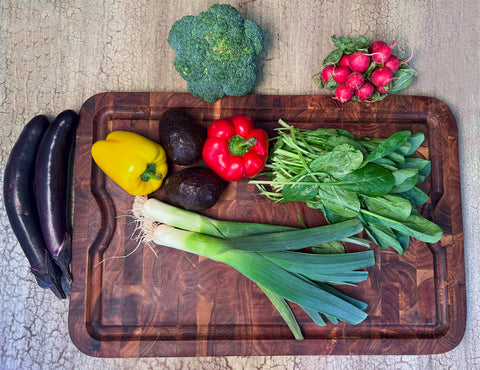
column 52, row 173
column 20, row 205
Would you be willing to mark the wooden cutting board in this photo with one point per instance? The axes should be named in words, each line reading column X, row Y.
column 171, row 303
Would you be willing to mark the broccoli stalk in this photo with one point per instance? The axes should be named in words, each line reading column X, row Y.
column 216, row 51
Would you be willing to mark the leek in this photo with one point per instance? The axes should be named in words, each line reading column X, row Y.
column 261, row 252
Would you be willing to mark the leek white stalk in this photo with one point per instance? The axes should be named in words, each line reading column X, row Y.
column 178, row 217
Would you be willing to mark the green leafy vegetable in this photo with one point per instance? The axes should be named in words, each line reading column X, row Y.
column 402, row 79
column 404, row 179
column 415, row 196
column 388, row 146
column 372, row 179
column 349, row 45
column 345, row 45
column 389, row 204
column 415, row 225
column 416, row 140
column 333, row 57
column 338, row 162
column 343, row 202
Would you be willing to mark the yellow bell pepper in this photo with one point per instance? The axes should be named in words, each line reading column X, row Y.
column 134, row 162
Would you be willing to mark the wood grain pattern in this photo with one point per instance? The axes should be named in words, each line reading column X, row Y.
column 181, row 305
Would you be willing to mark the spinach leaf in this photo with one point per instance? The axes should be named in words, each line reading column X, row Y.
column 404, row 148
column 341, row 139
column 389, row 145
column 416, row 139
column 389, row 205
column 370, row 144
column 338, row 162
column 346, row 133
column 385, row 236
column 316, row 203
column 321, row 134
column 343, row 202
column 423, row 166
column 403, row 239
column 415, row 196
column 371, row 180
column 415, row 226
column 404, row 180
column 396, row 157
column 387, row 164
column 424, row 230
column 299, row 192
column 330, row 216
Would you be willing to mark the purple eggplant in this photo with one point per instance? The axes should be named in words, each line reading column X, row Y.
column 20, row 204
column 52, row 184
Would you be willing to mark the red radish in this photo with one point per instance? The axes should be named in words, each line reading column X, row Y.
column 381, row 90
column 343, row 93
column 393, row 64
column 354, row 80
column 375, row 45
column 340, row 74
column 344, row 61
column 382, row 53
column 381, row 76
column 327, row 73
column 366, row 91
column 359, row 61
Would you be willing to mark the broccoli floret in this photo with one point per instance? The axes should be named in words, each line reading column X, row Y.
column 216, row 51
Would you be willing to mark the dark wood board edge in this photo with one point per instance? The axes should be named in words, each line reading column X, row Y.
column 456, row 283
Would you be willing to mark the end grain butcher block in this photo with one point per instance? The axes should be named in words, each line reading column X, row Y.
column 178, row 304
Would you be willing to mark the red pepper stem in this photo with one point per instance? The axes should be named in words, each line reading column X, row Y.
column 150, row 173
column 238, row 145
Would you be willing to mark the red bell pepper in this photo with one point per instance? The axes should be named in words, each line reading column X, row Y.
column 235, row 148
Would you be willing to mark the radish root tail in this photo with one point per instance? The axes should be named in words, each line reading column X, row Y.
column 410, row 57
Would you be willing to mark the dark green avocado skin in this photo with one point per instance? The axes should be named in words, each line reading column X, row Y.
column 193, row 188
column 181, row 138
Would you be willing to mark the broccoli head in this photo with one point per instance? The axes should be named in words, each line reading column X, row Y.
column 216, row 51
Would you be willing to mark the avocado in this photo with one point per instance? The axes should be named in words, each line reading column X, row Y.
column 181, row 138
column 193, row 188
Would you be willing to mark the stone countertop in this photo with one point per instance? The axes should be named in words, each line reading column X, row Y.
column 56, row 54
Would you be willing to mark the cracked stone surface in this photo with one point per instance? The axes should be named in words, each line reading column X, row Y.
column 56, row 54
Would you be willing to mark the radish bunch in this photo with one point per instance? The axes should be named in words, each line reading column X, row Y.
column 363, row 71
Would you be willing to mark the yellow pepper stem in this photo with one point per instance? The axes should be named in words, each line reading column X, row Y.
column 150, row 173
